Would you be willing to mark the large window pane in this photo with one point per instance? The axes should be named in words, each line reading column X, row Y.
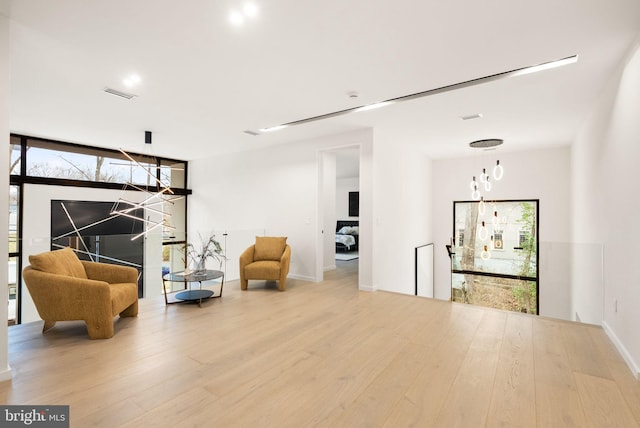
column 13, row 290
column 499, row 239
column 495, row 292
column 13, row 218
column 14, row 156
column 47, row 159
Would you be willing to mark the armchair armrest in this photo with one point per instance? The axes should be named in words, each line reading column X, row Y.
column 59, row 297
column 110, row 273
column 247, row 256
column 285, row 260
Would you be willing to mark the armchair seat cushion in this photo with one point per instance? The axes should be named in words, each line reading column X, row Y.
column 264, row 269
column 122, row 295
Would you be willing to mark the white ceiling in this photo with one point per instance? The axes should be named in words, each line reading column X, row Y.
column 205, row 81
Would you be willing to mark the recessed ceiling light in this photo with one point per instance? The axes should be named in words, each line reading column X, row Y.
column 132, row 80
column 236, row 18
column 250, row 9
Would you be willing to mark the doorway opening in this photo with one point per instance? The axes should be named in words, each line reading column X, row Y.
column 340, row 208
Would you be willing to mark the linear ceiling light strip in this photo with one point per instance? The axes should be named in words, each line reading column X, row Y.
column 440, row 90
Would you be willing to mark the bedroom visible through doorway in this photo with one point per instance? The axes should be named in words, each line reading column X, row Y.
column 347, row 205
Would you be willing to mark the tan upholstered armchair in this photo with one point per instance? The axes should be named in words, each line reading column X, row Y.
column 268, row 259
column 64, row 288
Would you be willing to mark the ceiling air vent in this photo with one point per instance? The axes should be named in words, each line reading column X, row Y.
column 250, row 132
column 118, row 93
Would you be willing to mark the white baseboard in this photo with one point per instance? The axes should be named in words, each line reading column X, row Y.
column 622, row 349
column 5, row 374
column 363, row 287
column 301, row 277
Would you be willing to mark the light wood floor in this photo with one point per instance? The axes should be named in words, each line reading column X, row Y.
column 325, row 355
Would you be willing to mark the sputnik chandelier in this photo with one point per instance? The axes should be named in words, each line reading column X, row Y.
column 481, row 187
column 152, row 210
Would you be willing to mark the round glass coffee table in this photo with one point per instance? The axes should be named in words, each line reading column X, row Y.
column 189, row 294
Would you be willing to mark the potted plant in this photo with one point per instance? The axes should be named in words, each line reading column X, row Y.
column 208, row 248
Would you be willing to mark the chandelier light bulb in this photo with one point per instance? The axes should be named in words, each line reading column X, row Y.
column 473, row 185
column 475, row 195
column 495, row 220
column 483, row 176
column 487, row 184
column 498, row 171
column 483, row 234
column 482, row 207
column 485, row 255
column 492, row 244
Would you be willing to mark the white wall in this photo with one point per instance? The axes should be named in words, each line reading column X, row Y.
column 605, row 157
column 402, row 211
column 276, row 190
column 5, row 371
column 36, row 237
column 541, row 174
column 343, row 187
column 328, row 211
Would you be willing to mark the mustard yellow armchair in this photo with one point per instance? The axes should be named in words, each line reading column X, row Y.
column 64, row 288
column 268, row 259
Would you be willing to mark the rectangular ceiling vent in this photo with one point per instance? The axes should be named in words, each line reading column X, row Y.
column 250, row 132
column 118, row 93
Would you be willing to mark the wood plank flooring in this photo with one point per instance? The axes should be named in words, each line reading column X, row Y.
column 325, row 355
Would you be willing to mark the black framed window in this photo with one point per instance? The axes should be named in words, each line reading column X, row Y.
column 42, row 161
column 496, row 264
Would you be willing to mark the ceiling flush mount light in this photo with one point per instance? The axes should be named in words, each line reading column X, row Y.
column 443, row 89
column 488, row 143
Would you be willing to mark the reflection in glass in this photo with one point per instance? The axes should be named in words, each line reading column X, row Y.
column 13, row 290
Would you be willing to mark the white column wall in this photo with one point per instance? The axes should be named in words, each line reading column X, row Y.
column 605, row 157
column 541, row 174
column 328, row 210
column 402, row 211
column 5, row 371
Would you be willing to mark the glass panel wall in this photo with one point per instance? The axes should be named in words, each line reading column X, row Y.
column 71, row 167
column 15, row 156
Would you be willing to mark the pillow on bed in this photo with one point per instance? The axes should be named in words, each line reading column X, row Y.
column 348, row 230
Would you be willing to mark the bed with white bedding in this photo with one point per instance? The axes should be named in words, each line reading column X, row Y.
column 347, row 233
